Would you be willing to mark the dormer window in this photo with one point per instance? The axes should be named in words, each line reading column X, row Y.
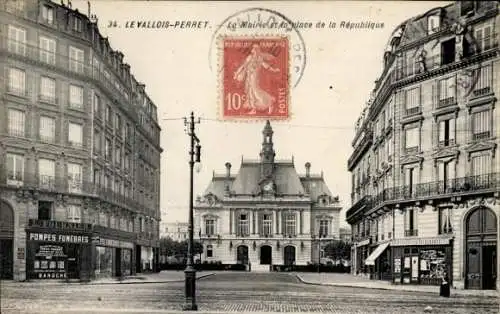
column 466, row 7
column 433, row 24
column 77, row 24
column 48, row 14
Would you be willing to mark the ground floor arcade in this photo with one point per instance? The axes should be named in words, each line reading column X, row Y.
column 260, row 251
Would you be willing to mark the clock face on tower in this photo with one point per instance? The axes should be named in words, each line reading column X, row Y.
column 268, row 187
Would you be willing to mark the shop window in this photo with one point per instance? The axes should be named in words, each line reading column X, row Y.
column 44, row 210
column 210, row 251
column 432, row 265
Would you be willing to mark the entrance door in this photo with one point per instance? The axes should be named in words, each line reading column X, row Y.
column 73, row 261
column 242, row 255
column 266, row 256
column 481, row 247
column 6, row 241
column 289, row 255
column 138, row 260
column 118, row 262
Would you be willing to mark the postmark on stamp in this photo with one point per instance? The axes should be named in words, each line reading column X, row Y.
column 257, row 24
column 255, row 76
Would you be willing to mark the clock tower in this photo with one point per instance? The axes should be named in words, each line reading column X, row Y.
column 267, row 153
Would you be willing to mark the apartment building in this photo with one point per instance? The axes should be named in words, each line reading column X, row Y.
column 79, row 150
column 425, row 169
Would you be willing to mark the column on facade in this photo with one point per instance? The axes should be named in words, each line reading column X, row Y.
column 278, row 221
column 254, row 224
column 275, row 222
column 231, row 214
column 301, row 226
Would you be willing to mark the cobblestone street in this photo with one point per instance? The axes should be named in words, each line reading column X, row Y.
column 230, row 292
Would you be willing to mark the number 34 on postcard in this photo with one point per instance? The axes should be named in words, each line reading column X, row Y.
column 254, row 82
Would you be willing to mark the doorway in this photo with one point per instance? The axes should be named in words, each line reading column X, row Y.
column 138, row 260
column 266, row 256
column 289, row 255
column 481, row 249
column 242, row 255
column 6, row 241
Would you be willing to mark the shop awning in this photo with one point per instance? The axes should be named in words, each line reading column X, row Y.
column 375, row 254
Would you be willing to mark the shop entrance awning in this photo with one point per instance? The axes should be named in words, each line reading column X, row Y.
column 370, row 260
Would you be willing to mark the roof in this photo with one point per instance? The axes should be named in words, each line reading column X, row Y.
column 251, row 175
column 285, row 176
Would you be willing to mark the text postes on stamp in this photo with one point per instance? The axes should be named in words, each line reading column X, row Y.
column 254, row 82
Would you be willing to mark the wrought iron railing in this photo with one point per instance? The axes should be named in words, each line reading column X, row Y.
column 64, row 63
column 411, row 233
column 64, row 185
column 463, row 185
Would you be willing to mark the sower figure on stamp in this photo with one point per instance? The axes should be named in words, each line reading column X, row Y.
column 257, row 98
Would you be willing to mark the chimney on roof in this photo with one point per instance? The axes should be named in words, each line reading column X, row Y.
column 228, row 169
column 308, row 169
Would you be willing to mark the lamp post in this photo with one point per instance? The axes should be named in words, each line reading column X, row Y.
column 190, row 271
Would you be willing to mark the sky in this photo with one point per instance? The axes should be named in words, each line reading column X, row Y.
column 177, row 67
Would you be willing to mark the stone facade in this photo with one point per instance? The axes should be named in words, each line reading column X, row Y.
column 266, row 214
column 79, row 148
column 425, row 170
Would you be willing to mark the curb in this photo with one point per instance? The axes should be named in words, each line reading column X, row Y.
column 145, row 282
column 386, row 288
column 118, row 282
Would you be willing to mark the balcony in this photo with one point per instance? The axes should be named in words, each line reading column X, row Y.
column 482, row 91
column 45, row 58
column 52, row 184
column 411, row 233
column 365, row 201
column 446, row 102
column 481, row 136
column 485, row 183
column 413, row 111
column 446, row 143
column 53, row 224
column 363, row 145
column 48, row 99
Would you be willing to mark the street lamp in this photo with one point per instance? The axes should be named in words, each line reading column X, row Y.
column 190, row 271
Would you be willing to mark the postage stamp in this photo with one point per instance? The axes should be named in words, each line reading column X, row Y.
column 255, row 78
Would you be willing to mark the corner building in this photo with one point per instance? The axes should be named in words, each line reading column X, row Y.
column 79, row 150
column 425, row 168
column 267, row 214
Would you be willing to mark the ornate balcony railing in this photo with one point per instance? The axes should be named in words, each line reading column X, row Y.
column 62, row 62
column 411, row 233
column 64, row 185
column 457, row 186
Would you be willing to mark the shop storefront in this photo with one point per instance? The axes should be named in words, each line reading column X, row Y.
column 112, row 257
column 421, row 261
column 362, row 252
column 58, row 254
column 379, row 262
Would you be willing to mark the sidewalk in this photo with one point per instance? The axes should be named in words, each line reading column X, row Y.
column 161, row 277
column 348, row 280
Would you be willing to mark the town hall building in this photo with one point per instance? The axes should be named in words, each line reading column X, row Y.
column 266, row 214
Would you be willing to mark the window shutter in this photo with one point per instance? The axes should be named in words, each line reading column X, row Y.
column 441, row 131
column 451, row 128
column 441, row 170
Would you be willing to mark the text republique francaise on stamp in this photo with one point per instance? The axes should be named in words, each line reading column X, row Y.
column 256, row 67
column 255, row 80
